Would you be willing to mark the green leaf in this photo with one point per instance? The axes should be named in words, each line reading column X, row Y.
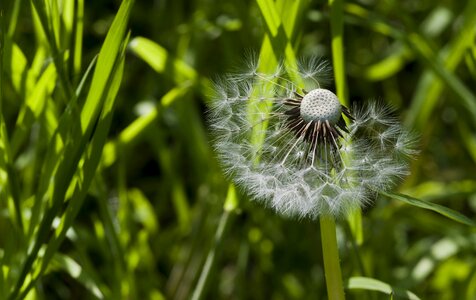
column 106, row 60
column 33, row 107
column 46, row 17
column 371, row 284
column 280, row 40
column 161, row 61
column 270, row 15
column 73, row 17
column 449, row 213
column 17, row 66
column 388, row 66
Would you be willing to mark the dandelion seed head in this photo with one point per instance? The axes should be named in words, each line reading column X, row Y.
column 293, row 151
column 321, row 105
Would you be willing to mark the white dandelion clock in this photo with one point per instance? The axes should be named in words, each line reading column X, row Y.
column 287, row 144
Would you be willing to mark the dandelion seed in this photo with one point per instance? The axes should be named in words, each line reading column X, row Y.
column 286, row 142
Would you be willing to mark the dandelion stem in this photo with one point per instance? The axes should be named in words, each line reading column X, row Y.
column 330, row 252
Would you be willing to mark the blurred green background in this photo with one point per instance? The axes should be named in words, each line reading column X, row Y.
column 150, row 207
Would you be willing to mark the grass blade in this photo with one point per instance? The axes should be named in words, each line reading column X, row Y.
column 371, row 284
column 161, row 61
column 338, row 61
column 442, row 210
column 106, row 60
column 74, row 269
column 101, row 94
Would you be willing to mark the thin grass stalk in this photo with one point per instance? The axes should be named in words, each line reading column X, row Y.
column 14, row 18
column 208, row 269
column 330, row 252
column 337, row 32
column 231, row 204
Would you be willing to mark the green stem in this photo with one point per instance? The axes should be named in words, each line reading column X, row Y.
column 204, row 279
column 337, row 33
column 231, row 203
column 330, row 252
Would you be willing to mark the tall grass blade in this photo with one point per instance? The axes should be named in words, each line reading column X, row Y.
column 442, row 210
column 105, row 85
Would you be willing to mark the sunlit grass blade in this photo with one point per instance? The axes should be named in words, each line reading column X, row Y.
column 281, row 19
column 270, row 15
column 390, row 65
column 338, row 60
column 106, row 60
column 49, row 19
column 161, row 61
column 371, row 284
column 76, row 271
column 34, row 107
column 16, row 66
column 73, row 20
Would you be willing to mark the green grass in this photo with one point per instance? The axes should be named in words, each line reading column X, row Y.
column 109, row 185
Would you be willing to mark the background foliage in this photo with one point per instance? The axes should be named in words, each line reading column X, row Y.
column 109, row 187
